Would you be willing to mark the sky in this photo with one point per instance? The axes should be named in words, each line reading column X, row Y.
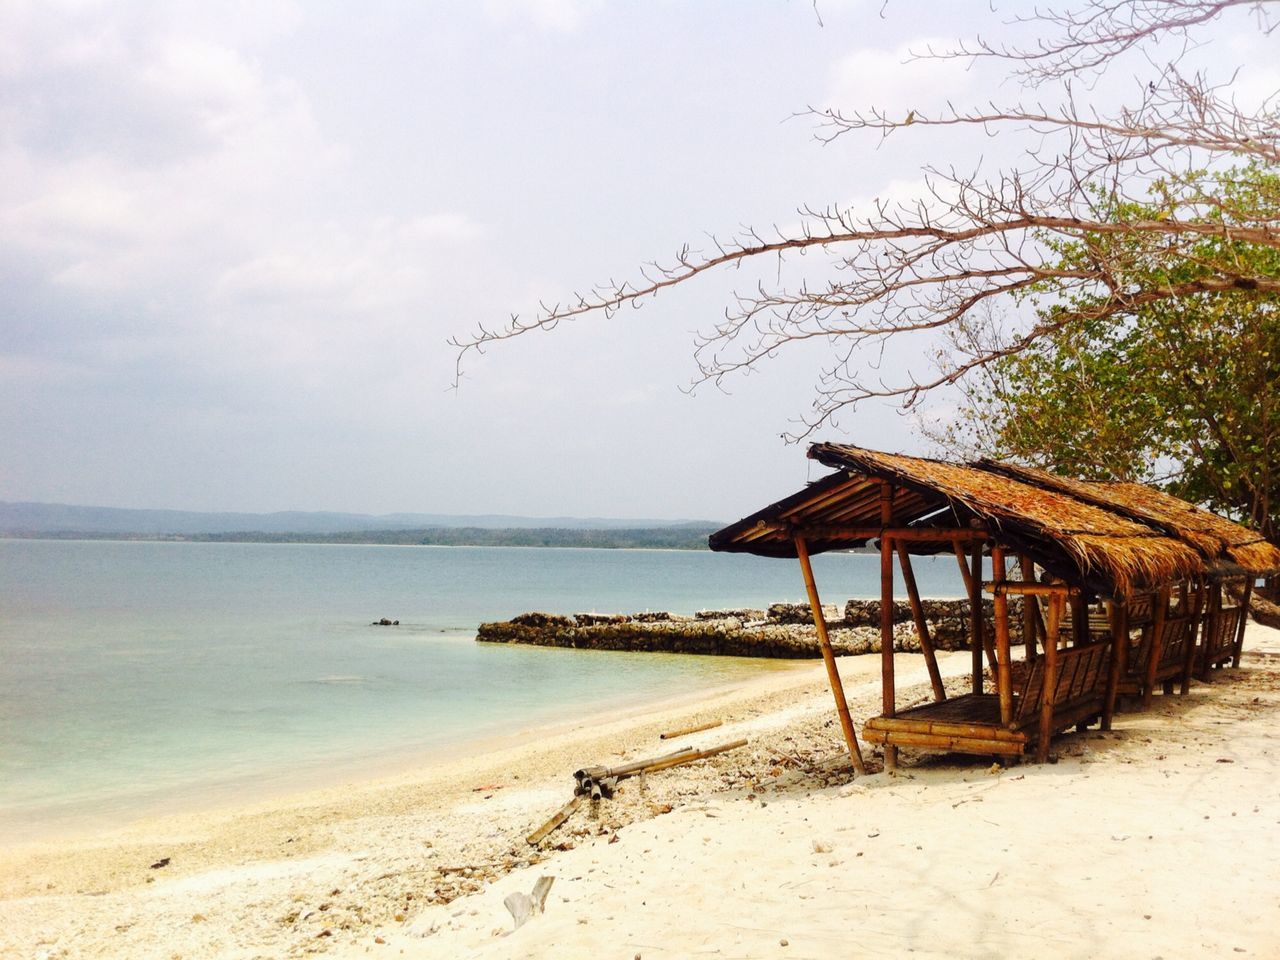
column 236, row 237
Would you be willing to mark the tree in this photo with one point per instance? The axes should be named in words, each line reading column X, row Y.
column 970, row 244
column 1184, row 391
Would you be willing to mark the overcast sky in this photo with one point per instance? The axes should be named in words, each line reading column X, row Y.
column 234, row 238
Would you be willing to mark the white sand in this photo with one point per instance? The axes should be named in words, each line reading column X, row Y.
column 1156, row 840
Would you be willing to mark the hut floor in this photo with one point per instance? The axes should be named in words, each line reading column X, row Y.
column 968, row 724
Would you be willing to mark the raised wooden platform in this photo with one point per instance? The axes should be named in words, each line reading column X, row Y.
column 967, row 724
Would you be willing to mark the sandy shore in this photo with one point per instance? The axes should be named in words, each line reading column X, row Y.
column 1158, row 839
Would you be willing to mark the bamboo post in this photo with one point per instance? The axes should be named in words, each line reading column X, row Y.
column 922, row 626
column 828, row 657
column 975, row 615
column 685, row 731
column 1004, row 682
column 1048, row 694
column 1197, row 636
column 1244, row 619
column 1158, row 617
column 1119, row 616
column 886, row 619
column 1079, row 621
column 1030, row 609
column 557, row 818
column 1212, row 618
column 963, row 561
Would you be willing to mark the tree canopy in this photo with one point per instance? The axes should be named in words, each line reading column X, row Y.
column 1183, row 390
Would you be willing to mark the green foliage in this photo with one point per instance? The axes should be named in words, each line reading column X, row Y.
column 1181, row 389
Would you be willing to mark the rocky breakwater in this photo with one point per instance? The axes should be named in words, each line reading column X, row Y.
column 784, row 630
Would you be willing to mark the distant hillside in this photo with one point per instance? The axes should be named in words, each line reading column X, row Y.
column 30, row 519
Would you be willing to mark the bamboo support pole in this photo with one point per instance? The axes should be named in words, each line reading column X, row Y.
column 963, row 561
column 841, row 532
column 922, row 626
column 1238, row 647
column 1159, row 615
column 828, row 657
column 1079, row 620
column 1030, row 609
column 888, row 682
column 557, row 818
column 1004, row 681
column 975, row 615
column 1197, row 636
column 684, row 732
column 1048, row 695
column 1212, row 619
column 1023, row 588
column 681, row 760
column 1118, row 611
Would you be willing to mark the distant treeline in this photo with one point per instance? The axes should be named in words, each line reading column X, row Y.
column 683, row 537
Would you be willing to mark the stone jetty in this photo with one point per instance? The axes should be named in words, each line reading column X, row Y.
column 784, row 630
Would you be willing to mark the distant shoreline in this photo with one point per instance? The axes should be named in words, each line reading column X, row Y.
column 641, row 538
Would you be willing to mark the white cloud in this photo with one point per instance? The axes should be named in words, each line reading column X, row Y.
column 895, row 80
column 560, row 16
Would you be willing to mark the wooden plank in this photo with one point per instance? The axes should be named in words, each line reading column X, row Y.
column 829, row 658
column 1004, row 679
column 922, row 625
column 889, row 693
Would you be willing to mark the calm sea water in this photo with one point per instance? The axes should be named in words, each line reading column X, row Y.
column 136, row 677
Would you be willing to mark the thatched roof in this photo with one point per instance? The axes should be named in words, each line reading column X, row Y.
column 1220, row 541
column 1087, row 540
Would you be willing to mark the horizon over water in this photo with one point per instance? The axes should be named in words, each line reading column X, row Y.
column 143, row 676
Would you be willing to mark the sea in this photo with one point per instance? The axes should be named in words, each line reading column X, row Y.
column 138, row 678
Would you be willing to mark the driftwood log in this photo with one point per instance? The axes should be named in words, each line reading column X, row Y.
column 599, row 781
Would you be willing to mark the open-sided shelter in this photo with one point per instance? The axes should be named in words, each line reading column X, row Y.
column 1087, row 547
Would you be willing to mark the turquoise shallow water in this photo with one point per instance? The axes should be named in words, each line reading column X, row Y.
column 139, row 676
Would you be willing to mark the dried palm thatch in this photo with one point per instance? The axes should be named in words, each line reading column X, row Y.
column 1127, row 553
column 1247, row 548
column 1216, row 538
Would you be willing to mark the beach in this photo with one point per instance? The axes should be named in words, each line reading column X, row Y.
column 1154, row 840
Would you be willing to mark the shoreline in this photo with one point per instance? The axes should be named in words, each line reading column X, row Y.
column 1091, row 851
column 373, row 770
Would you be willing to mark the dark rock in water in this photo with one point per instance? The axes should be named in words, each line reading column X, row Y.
column 542, row 620
column 784, row 631
column 384, row 622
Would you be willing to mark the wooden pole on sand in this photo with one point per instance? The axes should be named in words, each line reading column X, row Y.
column 829, row 658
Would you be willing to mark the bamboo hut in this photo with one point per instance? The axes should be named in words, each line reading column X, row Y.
column 1048, row 544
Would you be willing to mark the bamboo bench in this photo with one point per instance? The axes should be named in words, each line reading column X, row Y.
column 972, row 723
column 1218, row 639
column 1176, row 635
